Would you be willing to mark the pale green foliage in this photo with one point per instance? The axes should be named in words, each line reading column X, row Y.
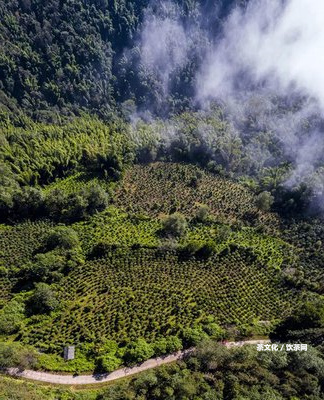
column 174, row 225
column 11, row 316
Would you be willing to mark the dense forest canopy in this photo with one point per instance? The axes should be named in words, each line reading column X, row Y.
column 66, row 56
column 151, row 59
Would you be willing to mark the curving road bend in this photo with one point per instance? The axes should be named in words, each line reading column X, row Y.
column 120, row 373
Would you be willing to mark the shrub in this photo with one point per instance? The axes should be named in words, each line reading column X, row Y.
column 193, row 336
column 264, row 201
column 139, row 351
column 160, row 346
column 207, row 249
column 215, row 331
column 43, row 300
column 46, row 267
column 63, row 237
column 96, row 197
column 175, row 224
column 167, row 345
column 192, row 247
column 202, row 213
column 200, row 249
column 174, row 343
column 28, row 203
column 108, row 363
column 100, row 249
column 14, row 355
column 223, row 233
column 62, row 206
column 11, row 316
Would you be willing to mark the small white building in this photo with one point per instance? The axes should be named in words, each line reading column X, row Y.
column 69, row 353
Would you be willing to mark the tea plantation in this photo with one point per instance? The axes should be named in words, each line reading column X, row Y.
column 125, row 283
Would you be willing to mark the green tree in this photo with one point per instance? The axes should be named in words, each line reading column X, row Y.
column 97, row 198
column 14, row 355
column 264, row 201
column 45, row 267
column 139, row 351
column 202, row 213
column 193, row 336
column 174, row 225
column 63, row 237
column 174, row 343
column 43, row 300
column 108, row 363
column 305, row 324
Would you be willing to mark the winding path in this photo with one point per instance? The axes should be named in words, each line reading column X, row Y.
column 120, row 373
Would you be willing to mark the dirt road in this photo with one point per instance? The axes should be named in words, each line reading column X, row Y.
column 120, row 373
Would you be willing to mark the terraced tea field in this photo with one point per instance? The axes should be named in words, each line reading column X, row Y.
column 147, row 293
column 77, row 182
column 129, row 280
column 17, row 246
column 162, row 188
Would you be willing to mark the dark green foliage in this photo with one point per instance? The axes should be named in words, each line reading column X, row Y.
column 192, row 247
column 43, row 299
column 138, row 351
column 293, row 202
column 61, row 58
column 28, row 203
column 59, row 55
column 109, row 358
column 14, row 355
column 264, row 201
column 206, row 250
column 167, row 345
column 305, row 325
column 192, row 336
column 200, row 249
column 97, row 198
column 62, row 237
column 213, row 372
column 9, row 187
column 108, row 363
column 173, row 343
column 307, row 235
column 202, row 213
column 45, row 267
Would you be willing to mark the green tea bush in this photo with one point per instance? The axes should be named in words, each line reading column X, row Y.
column 11, row 317
column 151, row 293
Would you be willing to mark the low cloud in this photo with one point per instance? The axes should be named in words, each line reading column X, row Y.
column 264, row 63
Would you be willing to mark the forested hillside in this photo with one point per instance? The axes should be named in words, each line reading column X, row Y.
column 160, row 189
column 64, row 57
